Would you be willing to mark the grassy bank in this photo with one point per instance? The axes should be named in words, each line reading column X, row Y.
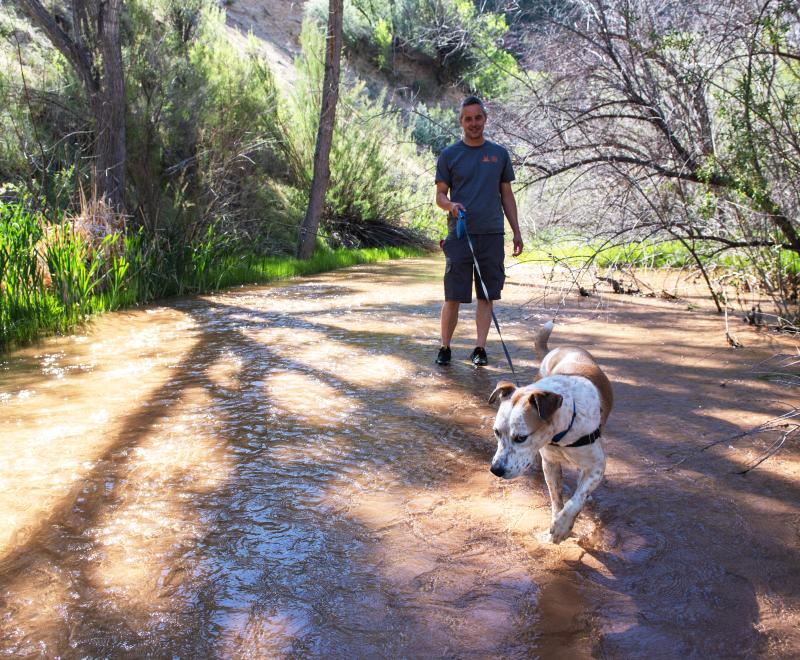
column 54, row 276
column 649, row 254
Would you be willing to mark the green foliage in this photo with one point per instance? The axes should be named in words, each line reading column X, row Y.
column 435, row 127
column 465, row 44
column 44, row 131
column 219, row 165
column 202, row 126
column 574, row 251
column 25, row 307
column 51, row 279
column 253, row 268
column 375, row 173
column 382, row 38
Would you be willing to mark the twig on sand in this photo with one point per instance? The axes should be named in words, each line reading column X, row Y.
column 773, row 448
column 769, row 425
column 780, row 422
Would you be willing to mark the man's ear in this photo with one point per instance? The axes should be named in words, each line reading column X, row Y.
column 503, row 390
column 546, row 403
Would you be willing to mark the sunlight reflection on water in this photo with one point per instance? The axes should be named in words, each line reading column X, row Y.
column 282, row 471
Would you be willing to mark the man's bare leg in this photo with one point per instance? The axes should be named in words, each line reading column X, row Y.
column 483, row 319
column 449, row 320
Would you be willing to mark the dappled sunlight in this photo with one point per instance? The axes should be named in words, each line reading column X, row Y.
column 225, row 371
column 308, row 400
column 343, row 359
column 394, row 326
column 53, row 434
column 452, row 551
column 263, row 634
column 242, row 475
column 38, row 596
column 151, row 521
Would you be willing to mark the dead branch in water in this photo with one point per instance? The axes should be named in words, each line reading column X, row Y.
column 790, row 429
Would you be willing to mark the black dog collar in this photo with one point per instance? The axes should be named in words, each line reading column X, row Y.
column 584, row 440
column 587, row 439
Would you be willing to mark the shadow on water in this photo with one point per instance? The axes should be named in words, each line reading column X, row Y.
column 354, row 515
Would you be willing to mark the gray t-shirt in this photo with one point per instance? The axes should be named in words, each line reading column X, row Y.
column 474, row 175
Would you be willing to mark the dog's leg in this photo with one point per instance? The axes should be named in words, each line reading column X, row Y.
column 555, row 485
column 563, row 522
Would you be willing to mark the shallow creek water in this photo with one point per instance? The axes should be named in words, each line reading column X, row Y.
column 283, row 471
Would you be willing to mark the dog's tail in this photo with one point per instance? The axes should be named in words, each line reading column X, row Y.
column 540, row 342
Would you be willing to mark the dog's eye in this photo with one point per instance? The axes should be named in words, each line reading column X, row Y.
column 519, row 438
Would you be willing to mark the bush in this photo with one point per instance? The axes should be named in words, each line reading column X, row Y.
column 435, row 127
column 44, row 133
column 202, row 133
column 466, row 44
column 376, row 193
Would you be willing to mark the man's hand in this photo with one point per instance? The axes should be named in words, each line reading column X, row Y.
column 455, row 207
column 517, row 245
column 444, row 203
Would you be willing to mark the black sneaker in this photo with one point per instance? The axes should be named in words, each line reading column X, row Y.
column 478, row 357
column 444, row 355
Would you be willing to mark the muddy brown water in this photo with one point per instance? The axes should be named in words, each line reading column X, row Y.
column 282, row 471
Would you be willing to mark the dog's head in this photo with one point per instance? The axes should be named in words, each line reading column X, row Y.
column 523, row 426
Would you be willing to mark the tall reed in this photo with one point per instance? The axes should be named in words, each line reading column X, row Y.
column 52, row 277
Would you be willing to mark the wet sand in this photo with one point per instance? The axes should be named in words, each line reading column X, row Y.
column 282, row 471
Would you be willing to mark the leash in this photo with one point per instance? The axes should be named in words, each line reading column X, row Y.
column 461, row 230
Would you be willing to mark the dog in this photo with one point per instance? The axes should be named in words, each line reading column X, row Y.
column 560, row 415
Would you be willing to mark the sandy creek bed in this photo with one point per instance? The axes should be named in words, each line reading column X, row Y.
column 283, row 471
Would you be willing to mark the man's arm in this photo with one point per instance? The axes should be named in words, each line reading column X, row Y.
column 510, row 209
column 443, row 201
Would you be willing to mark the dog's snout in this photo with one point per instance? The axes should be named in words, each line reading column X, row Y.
column 497, row 470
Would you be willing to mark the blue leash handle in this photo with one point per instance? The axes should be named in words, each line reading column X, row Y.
column 461, row 231
column 461, row 225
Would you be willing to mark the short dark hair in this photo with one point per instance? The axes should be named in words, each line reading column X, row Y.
column 473, row 100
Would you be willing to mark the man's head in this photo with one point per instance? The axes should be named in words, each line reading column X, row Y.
column 472, row 118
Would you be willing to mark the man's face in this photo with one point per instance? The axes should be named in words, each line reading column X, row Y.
column 472, row 121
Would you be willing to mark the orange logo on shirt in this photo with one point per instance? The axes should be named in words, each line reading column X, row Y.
column 489, row 159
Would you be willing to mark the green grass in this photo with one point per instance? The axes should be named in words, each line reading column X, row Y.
column 645, row 254
column 125, row 272
column 254, row 269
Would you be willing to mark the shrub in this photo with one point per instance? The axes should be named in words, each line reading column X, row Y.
column 435, row 127
column 465, row 43
column 202, row 133
column 376, row 193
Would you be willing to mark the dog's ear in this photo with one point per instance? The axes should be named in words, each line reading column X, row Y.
column 503, row 390
column 546, row 403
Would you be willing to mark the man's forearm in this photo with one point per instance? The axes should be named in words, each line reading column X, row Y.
column 510, row 209
column 443, row 201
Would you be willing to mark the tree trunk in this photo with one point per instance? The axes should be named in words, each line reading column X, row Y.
column 109, row 111
column 99, row 67
column 327, row 120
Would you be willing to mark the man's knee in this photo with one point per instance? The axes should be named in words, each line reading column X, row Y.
column 450, row 306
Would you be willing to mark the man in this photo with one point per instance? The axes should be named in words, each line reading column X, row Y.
column 474, row 176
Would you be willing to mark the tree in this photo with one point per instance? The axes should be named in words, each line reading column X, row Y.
column 669, row 119
column 641, row 93
column 90, row 42
column 327, row 121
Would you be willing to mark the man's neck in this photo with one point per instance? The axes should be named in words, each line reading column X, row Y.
column 473, row 143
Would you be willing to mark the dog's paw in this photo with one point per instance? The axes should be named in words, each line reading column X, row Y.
column 560, row 529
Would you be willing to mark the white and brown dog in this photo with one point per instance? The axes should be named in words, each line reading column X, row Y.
column 560, row 416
